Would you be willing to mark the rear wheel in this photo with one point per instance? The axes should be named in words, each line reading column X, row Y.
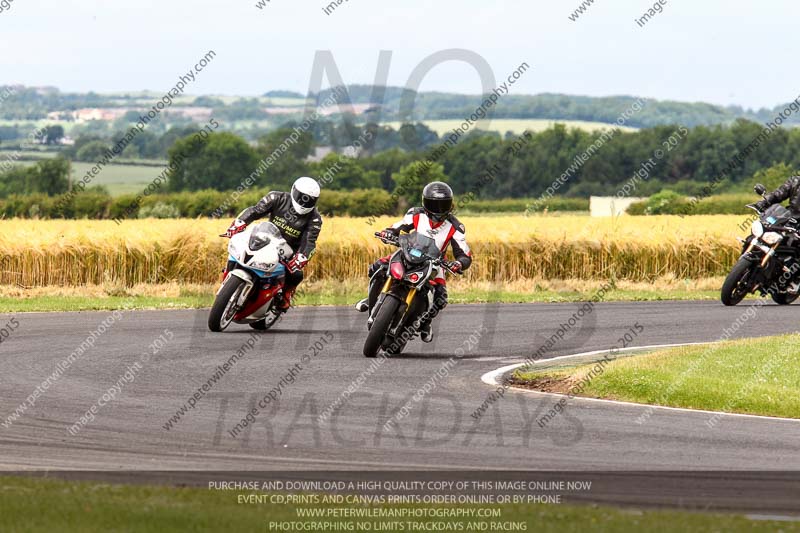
column 224, row 307
column 380, row 326
column 783, row 298
column 737, row 285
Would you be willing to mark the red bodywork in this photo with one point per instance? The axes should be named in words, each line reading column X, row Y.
column 254, row 305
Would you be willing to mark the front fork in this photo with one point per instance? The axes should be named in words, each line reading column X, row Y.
column 768, row 252
column 387, row 286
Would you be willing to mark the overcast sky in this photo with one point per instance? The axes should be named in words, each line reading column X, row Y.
column 727, row 52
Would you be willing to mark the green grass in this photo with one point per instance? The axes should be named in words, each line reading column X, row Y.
column 86, row 303
column 28, row 126
column 329, row 295
column 515, row 125
column 32, row 155
column 754, row 376
column 34, row 505
column 119, row 179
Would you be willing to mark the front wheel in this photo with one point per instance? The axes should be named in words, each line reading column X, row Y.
column 737, row 285
column 782, row 298
column 224, row 307
column 380, row 326
column 268, row 321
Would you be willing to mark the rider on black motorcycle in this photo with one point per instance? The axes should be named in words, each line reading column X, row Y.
column 790, row 189
column 435, row 220
column 299, row 222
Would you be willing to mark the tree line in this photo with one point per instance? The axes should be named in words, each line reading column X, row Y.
column 684, row 166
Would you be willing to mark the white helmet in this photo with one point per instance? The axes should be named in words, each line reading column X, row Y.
column 305, row 193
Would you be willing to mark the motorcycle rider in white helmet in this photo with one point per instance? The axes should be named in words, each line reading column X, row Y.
column 296, row 216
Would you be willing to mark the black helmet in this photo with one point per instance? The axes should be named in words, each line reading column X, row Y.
column 437, row 199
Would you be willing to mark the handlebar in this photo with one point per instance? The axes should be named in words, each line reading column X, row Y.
column 395, row 241
column 788, row 229
column 446, row 266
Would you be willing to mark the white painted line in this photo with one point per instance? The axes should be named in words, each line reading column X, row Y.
column 772, row 517
column 491, row 378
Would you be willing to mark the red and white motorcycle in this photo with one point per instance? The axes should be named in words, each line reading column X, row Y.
column 253, row 279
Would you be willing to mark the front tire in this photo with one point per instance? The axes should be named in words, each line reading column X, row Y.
column 784, row 299
column 736, row 287
column 381, row 325
column 224, row 307
column 268, row 321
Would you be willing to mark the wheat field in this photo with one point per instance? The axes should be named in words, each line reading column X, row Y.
column 85, row 252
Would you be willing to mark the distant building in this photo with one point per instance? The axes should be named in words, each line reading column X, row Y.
column 199, row 114
column 610, row 206
column 113, row 113
column 96, row 113
column 353, row 109
column 282, row 110
column 319, row 154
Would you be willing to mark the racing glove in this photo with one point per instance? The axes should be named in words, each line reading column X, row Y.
column 388, row 235
column 237, row 226
column 297, row 263
column 456, row 266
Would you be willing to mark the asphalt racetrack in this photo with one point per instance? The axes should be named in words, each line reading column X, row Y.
column 296, row 429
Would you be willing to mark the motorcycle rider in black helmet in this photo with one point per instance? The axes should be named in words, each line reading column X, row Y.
column 435, row 220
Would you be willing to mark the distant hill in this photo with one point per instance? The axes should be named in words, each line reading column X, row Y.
column 35, row 103
column 283, row 94
column 436, row 105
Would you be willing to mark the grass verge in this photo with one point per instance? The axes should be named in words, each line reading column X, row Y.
column 753, row 376
column 33, row 505
column 189, row 296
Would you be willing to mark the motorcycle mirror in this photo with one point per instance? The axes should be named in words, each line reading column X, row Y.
column 759, row 189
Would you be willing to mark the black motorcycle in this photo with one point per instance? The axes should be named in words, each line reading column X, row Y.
column 770, row 260
column 407, row 294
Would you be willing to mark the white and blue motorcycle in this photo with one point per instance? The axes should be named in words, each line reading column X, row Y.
column 253, row 280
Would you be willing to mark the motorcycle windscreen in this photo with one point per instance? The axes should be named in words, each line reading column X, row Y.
column 777, row 215
column 262, row 235
column 418, row 247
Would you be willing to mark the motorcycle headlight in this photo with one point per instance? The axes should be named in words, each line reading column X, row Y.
column 771, row 237
column 757, row 228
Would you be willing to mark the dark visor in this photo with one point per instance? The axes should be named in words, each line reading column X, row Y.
column 438, row 206
column 303, row 200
